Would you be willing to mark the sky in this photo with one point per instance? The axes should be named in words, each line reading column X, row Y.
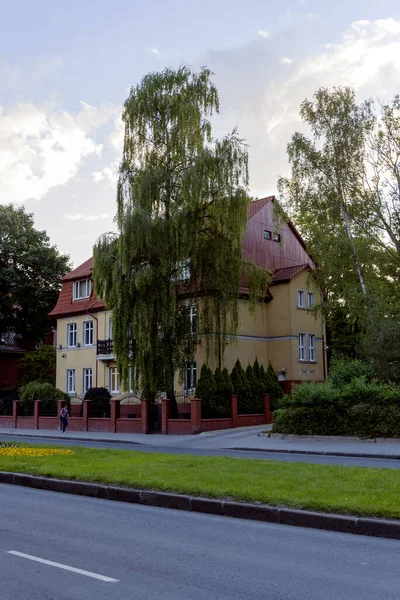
column 66, row 69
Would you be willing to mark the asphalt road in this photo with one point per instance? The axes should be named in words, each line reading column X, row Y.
column 305, row 458
column 161, row 554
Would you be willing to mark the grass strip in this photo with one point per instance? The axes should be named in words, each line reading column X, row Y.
column 348, row 490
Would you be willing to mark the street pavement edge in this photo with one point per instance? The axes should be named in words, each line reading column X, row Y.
column 256, row 512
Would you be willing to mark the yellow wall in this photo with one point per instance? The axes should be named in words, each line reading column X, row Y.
column 270, row 337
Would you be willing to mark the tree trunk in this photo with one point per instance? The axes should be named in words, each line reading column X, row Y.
column 354, row 251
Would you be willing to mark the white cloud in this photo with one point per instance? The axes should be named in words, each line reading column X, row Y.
column 155, row 51
column 263, row 33
column 81, row 217
column 287, row 61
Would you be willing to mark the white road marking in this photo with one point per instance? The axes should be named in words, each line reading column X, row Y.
column 60, row 566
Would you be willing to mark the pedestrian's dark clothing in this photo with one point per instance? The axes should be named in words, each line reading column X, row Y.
column 64, row 419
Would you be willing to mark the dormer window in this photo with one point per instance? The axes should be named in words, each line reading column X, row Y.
column 267, row 235
column 82, row 289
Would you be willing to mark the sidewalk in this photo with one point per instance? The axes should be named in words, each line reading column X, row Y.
column 245, row 439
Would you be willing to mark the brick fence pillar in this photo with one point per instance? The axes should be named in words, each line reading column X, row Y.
column 36, row 414
column 195, row 415
column 165, row 414
column 234, row 404
column 115, row 410
column 145, row 416
column 85, row 414
column 15, row 414
column 267, row 408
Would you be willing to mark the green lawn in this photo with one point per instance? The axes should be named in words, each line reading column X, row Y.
column 349, row 490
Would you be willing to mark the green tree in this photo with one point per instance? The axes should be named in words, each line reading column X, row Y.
column 30, row 275
column 239, row 381
column 39, row 365
column 343, row 194
column 182, row 209
column 274, row 388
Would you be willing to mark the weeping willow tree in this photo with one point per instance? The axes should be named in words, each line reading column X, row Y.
column 182, row 209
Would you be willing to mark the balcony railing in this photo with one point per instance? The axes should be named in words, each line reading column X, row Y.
column 105, row 347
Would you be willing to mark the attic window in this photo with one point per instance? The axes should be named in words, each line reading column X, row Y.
column 277, row 237
column 267, row 235
column 82, row 289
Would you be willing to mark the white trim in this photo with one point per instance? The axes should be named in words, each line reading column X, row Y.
column 85, row 373
column 76, row 289
column 302, row 347
column 73, row 371
column 91, row 330
column 300, row 296
column 190, row 366
column 111, row 371
column 311, row 348
column 70, row 328
column 308, row 298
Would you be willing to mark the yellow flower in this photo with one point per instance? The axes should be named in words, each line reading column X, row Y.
column 33, row 452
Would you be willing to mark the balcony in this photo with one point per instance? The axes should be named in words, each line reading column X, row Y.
column 105, row 349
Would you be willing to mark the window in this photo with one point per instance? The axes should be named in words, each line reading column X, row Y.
column 277, row 237
column 110, row 328
column 71, row 335
column 193, row 319
column 184, row 272
column 82, row 289
column 71, row 381
column 267, row 235
column 87, row 380
column 302, row 343
column 300, row 298
column 310, row 299
column 114, row 383
column 190, row 378
column 132, row 380
column 88, row 333
column 311, row 348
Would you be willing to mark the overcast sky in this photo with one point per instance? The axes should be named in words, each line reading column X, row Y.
column 66, row 68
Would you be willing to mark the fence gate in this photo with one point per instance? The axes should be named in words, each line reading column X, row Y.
column 155, row 416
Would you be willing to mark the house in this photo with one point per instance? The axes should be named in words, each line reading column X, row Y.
column 285, row 332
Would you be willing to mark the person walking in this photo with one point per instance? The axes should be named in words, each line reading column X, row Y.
column 64, row 418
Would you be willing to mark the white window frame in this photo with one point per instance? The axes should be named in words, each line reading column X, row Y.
column 300, row 299
column 190, row 367
column 72, row 329
column 310, row 295
column 113, row 378
column 302, row 347
column 184, row 271
column 193, row 318
column 71, row 378
column 276, row 237
column 110, row 327
column 88, row 327
column 87, row 291
column 267, row 235
column 131, row 389
column 311, row 348
column 87, row 377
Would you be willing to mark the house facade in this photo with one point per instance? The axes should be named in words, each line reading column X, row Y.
column 285, row 331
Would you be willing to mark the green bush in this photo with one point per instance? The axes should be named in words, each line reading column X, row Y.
column 314, row 394
column 361, row 391
column 311, row 420
column 370, row 421
column 343, row 370
column 44, row 391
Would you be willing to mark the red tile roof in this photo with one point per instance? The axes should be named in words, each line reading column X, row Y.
column 82, row 272
column 257, row 205
column 286, row 274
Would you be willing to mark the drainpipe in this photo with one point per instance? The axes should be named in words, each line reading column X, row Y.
column 97, row 337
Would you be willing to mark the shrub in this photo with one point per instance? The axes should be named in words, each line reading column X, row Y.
column 368, row 421
column 314, row 394
column 311, row 420
column 272, row 386
column 44, row 391
column 100, row 401
column 343, row 370
column 361, row 391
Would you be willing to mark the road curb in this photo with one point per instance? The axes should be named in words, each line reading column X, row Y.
column 256, row 512
column 319, row 453
column 73, row 439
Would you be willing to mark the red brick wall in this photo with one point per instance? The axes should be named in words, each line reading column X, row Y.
column 179, row 426
column 6, row 421
column 215, row 424
column 248, row 420
column 129, row 425
column 9, row 370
